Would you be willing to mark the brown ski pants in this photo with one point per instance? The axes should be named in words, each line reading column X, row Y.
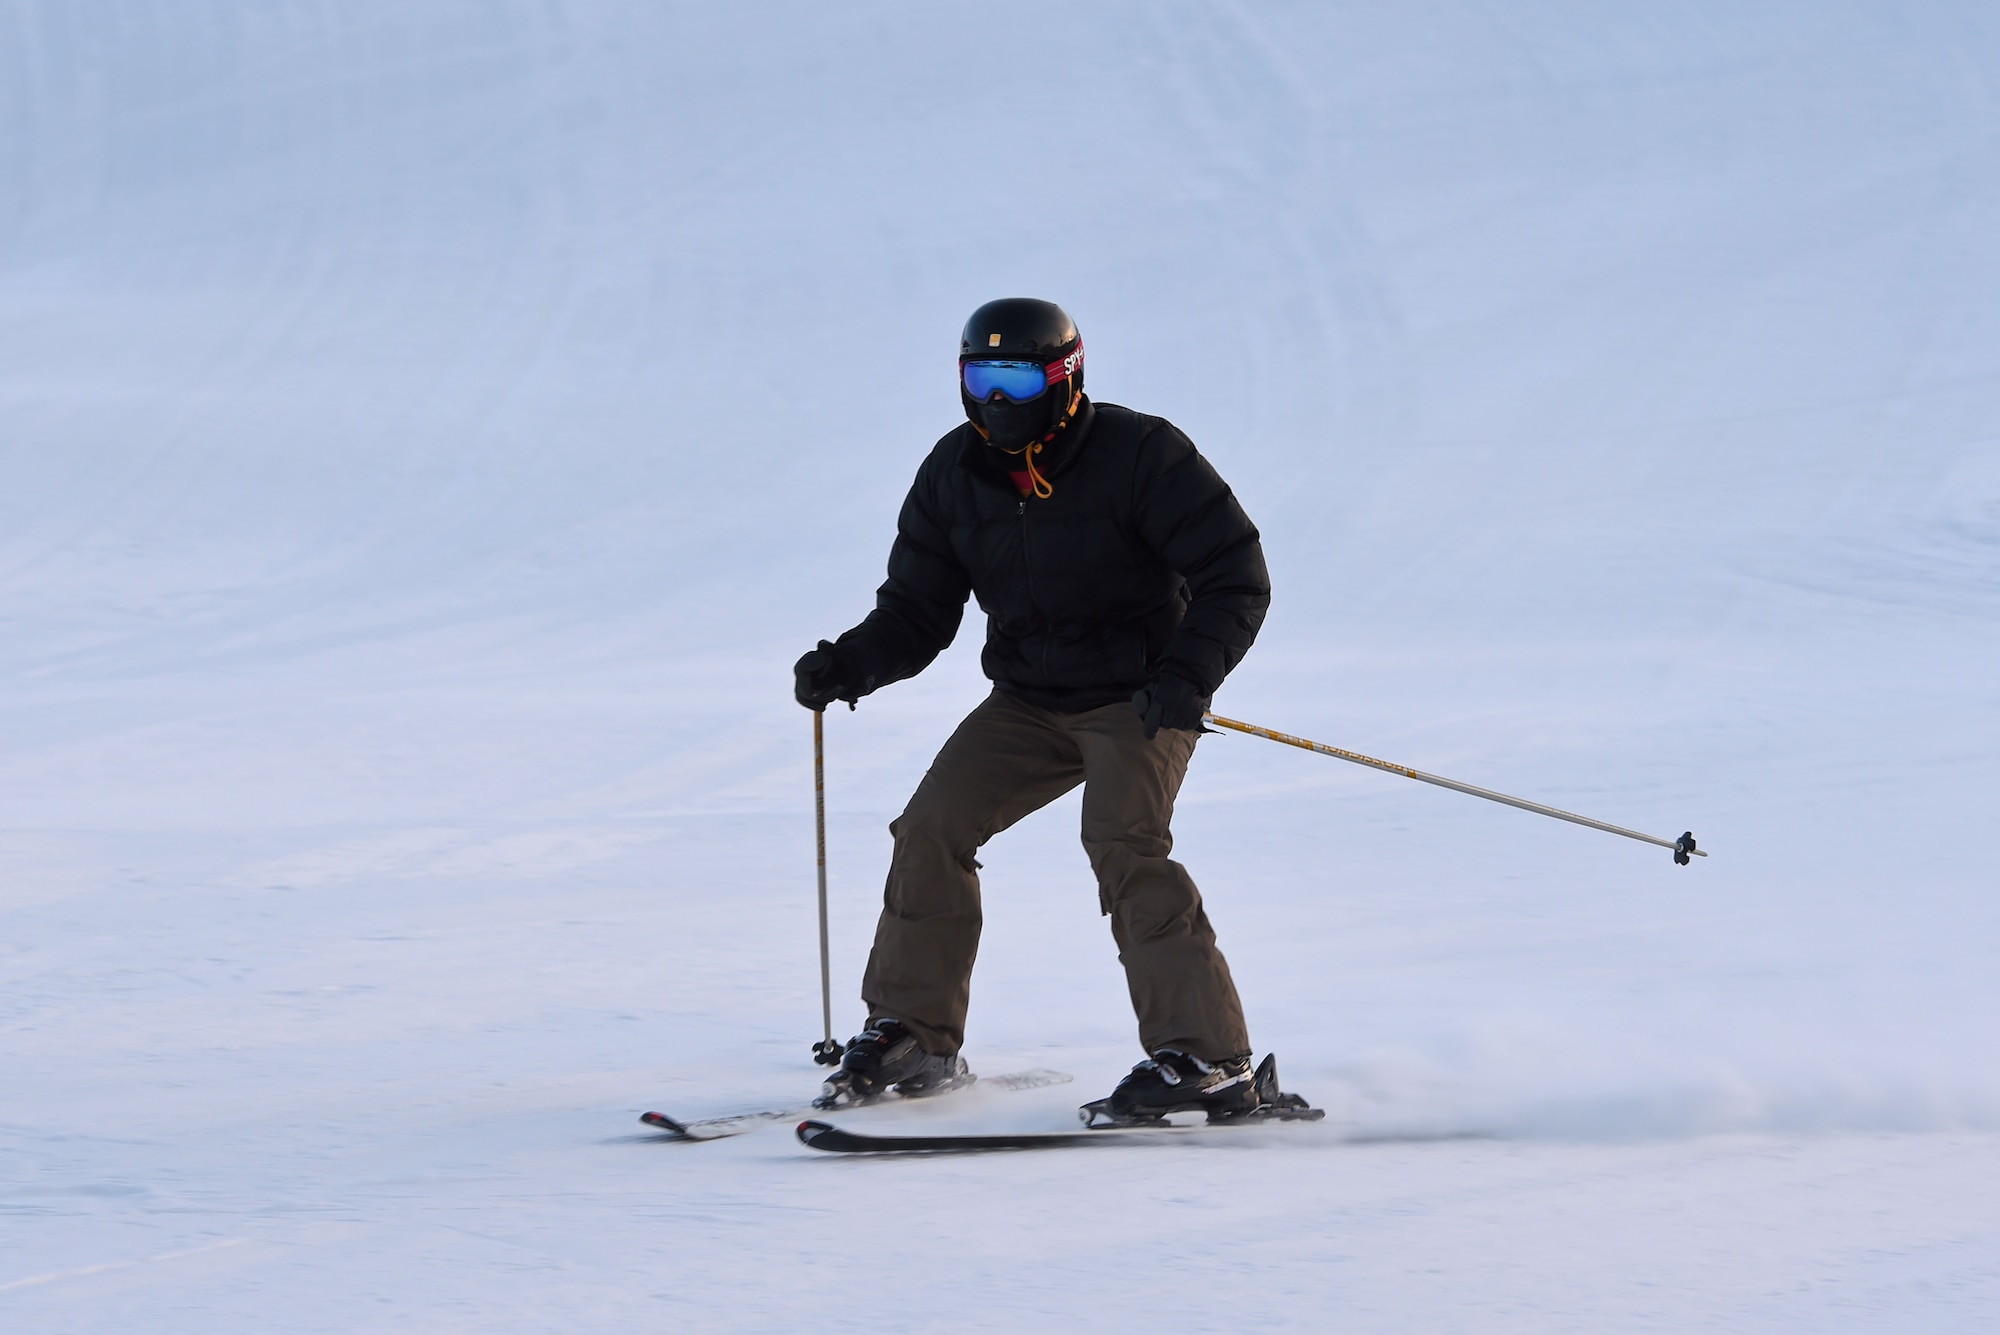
column 1006, row 760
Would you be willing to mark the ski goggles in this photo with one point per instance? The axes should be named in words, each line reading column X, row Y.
column 1017, row 381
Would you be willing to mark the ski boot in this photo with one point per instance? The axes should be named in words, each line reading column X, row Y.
column 886, row 1057
column 1173, row 1081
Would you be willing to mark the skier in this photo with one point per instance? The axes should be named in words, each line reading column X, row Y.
column 1121, row 581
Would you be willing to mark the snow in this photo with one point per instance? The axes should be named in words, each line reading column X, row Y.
column 428, row 433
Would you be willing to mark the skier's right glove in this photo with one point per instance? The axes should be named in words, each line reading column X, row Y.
column 823, row 676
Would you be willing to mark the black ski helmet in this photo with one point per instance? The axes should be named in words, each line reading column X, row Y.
column 1023, row 329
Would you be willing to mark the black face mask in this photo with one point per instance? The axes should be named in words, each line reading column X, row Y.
column 1011, row 426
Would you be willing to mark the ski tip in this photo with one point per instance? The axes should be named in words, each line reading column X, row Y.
column 811, row 1130
column 663, row 1122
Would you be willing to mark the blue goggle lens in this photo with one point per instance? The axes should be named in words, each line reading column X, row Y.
column 1019, row 381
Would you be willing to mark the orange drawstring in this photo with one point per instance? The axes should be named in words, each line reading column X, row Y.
column 1035, row 479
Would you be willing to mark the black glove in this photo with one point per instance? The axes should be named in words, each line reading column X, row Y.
column 823, row 676
column 1171, row 702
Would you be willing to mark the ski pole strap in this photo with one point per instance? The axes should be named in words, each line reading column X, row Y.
column 1683, row 848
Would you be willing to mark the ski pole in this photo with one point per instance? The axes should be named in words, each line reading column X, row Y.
column 826, row 1052
column 1682, row 847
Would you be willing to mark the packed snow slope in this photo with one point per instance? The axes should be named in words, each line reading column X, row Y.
column 429, row 432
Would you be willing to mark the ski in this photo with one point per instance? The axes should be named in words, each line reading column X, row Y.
column 825, row 1136
column 736, row 1124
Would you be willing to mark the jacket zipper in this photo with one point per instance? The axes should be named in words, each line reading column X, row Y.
column 1028, row 567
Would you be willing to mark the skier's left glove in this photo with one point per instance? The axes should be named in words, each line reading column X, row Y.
column 1170, row 702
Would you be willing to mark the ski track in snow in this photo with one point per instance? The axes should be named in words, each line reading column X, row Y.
column 429, row 432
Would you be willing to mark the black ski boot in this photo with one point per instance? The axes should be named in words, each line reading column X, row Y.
column 886, row 1057
column 1228, row 1091
column 1172, row 1081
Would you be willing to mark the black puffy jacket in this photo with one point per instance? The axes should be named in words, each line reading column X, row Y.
column 1140, row 562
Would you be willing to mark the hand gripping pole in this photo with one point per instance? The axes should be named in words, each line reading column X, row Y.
column 1683, row 847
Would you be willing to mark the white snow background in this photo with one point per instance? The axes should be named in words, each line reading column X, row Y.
column 429, row 432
